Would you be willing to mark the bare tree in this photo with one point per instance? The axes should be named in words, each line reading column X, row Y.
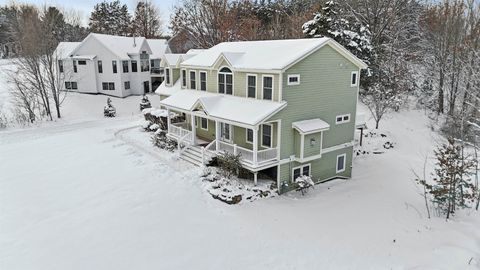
column 147, row 21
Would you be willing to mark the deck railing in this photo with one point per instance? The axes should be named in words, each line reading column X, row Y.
column 180, row 132
column 247, row 155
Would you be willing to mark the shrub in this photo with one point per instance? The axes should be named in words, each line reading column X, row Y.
column 303, row 183
column 161, row 141
column 229, row 164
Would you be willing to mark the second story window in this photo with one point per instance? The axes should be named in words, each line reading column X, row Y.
column 134, row 66
column 184, row 78
column 114, row 66
column 75, row 66
column 294, row 79
column 125, row 66
column 127, row 85
column 100, row 67
column 354, row 79
column 60, row 66
column 144, row 62
column 341, row 119
column 193, row 80
column 203, row 81
column 225, row 81
column 267, row 135
column 167, row 76
column 268, row 87
column 252, row 86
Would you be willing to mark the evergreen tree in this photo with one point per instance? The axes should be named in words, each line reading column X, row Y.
column 331, row 22
column 452, row 185
column 147, row 22
column 110, row 18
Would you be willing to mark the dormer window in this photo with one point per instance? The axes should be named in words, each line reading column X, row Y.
column 193, row 80
column 167, row 76
column 268, row 87
column 225, row 81
column 184, row 78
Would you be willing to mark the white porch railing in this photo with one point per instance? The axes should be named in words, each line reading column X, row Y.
column 180, row 132
column 247, row 155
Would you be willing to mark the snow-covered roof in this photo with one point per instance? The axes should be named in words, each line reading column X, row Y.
column 83, row 57
column 195, row 51
column 121, row 46
column 164, row 90
column 265, row 54
column 172, row 58
column 310, row 126
column 248, row 112
column 64, row 49
column 159, row 47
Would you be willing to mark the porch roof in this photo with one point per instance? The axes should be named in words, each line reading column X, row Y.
column 310, row 126
column 249, row 112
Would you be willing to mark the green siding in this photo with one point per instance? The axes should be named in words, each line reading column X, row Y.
column 175, row 74
column 309, row 149
column 324, row 92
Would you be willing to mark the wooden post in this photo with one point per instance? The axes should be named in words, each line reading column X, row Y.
column 361, row 136
column 194, row 130
column 217, row 135
column 255, row 145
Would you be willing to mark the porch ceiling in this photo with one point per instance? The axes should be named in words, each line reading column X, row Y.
column 249, row 112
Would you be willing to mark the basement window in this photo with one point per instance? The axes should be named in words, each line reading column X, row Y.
column 300, row 170
column 341, row 160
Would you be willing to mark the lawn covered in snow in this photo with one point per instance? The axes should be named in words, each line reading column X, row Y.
column 90, row 193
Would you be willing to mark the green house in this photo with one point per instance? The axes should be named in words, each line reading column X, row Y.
column 287, row 106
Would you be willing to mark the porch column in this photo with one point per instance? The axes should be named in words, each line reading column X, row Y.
column 255, row 145
column 168, row 120
column 217, row 135
column 255, row 178
column 194, row 130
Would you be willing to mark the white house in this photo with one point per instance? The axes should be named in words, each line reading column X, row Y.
column 112, row 65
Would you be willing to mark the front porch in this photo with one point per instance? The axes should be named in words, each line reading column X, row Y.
column 258, row 150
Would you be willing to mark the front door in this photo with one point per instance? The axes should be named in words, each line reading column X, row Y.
column 146, row 87
column 226, row 132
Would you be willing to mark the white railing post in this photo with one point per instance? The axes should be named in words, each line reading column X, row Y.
column 194, row 130
column 168, row 120
column 255, row 145
column 235, row 150
column 203, row 155
column 217, row 135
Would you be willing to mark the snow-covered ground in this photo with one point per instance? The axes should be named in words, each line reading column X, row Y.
column 90, row 193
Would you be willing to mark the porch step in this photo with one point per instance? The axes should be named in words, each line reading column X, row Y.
column 193, row 155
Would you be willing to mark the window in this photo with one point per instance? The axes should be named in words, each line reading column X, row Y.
column 100, row 67
column 204, row 123
column 225, row 81
column 75, row 66
column 152, row 63
column 299, row 171
column 114, row 66
column 193, row 80
column 354, row 79
column 74, row 85
column 60, row 66
column 252, row 86
column 341, row 159
column 268, row 87
column 267, row 135
column 82, row 62
column 293, row 79
column 226, row 131
column 167, row 76
column 203, row 81
column 108, row 86
column 184, row 77
column 68, row 85
column 127, row 85
column 125, row 66
column 249, row 135
column 71, row 85
column 134, row 66
column 342, row 119
column 144, row 62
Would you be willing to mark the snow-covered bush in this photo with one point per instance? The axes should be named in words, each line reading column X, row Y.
column 109, row 110
column 229, row 164
column 160, row 140
column 303, row 183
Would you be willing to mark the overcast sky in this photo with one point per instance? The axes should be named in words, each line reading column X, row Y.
column 86, row 6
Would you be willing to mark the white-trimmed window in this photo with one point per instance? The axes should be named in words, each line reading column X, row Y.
column 342, row 119
column 267, row 87
column 354, row 79
column 127, row 85
column 267, row 134
column 341, row 161
column 249, row 135
column 293, row 79
column 204, row 123
column 226, row 132
column 225, row 81
column 193, row 80
column 168, row 79
column 251, row 85
column 184, row 78
column 203, row 81
column 301, row 170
